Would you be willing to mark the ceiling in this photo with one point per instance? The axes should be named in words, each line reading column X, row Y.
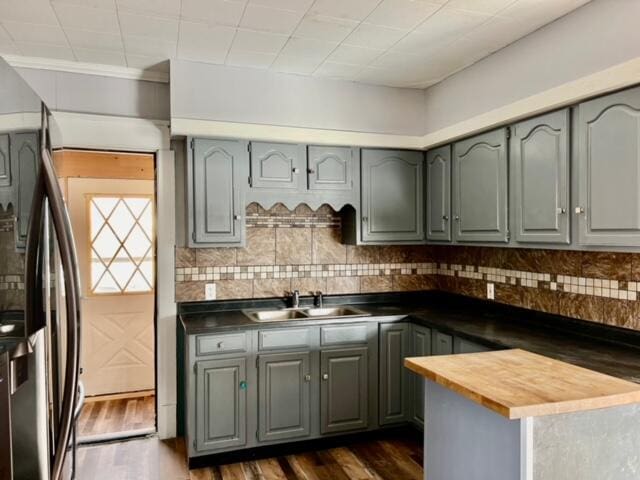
column 404, row 43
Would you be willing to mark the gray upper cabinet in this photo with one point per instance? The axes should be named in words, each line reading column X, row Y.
column 480, row 187
column 344, row 390
column 608, row 204
column 25, row 153
column 392, row 196
column 394, row 378
column 540, row 178
column 277, row 166
column 221, row 404
column 330, row 168
column 217, row 174
column 284, row 400
column 5, row 164
column 420, row 347
column 438, row 169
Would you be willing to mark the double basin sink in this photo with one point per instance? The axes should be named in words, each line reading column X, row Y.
column 285, row 314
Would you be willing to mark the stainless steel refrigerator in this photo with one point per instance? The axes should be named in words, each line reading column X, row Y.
column 40, row 393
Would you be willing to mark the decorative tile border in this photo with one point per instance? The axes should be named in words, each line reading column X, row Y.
column 11, row 282
column 302, row 217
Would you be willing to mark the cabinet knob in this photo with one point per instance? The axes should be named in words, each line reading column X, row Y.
column 295, row 170
column 457, row 217
column 325, row 376
column 311, row 171
column 220, row 344
column 445, row 217
column 579, row 210
column 561, row 210
column 365, row 219
column 243, row 385
column 237, row 217
column 307, row 378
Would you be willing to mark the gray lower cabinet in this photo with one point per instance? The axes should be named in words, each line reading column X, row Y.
column 217, row 175
column 540, row 178
column 460, row 345
column 344, row 390
column 608, row 204
column 394, row 391
column 420, row 347
column 25, row 155
column 284, row 396
column 392, row 196
column 277, row 166
column 221, row 403
column 442, row 343
column 438, row 194
column 480, row 188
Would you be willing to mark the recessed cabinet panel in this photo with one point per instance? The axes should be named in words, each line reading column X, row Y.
column 480, row 188
column 330, row 168
column 344, row 390
column 394, row 378
column 608, row 205
column 442, row 343
column 392, row 196
column 221, row 398
column 540, row 178
column 25, row 154
column 421, row 347
column 284, row 396
column 277, row 165
column 438, row 194
column 217, row 175
column 5, row 163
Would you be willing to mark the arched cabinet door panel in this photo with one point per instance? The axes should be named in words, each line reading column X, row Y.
column 438, row 193
column 480, row 174
column 25, row 158
column 392, row 196
column 540, row 178
column 330, row 168
column 608, row 203
column 217, row 176
column 277, row 166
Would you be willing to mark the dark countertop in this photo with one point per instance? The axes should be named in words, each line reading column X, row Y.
column 609, row 350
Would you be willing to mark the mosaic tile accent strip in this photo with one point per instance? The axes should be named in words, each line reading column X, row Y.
column 11, row 282
column 280, row 216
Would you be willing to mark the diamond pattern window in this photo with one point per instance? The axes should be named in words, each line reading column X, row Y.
column 122, row 250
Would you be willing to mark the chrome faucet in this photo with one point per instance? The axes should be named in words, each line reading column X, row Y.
column 295, row 299
column 318, row 299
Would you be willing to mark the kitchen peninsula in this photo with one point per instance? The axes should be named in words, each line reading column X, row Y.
column 513, row 414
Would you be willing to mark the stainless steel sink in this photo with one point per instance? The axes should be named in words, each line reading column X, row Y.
column 274, row 315
column 302, row 313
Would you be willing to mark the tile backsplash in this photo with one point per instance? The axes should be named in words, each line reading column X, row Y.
column 302, row 249
column 11, row 265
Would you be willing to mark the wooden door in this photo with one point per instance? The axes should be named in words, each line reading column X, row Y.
column 540, row 178
column 608, row 205
column 284, row 396
column 221, row 403
column 330, row 168
column 439, row 194
column 217, row 174
column 277, row 166
column 421, row 347
column 112, row 222
column 392, row 196
column 394, row 378
column 344, row 390
column 480, row 188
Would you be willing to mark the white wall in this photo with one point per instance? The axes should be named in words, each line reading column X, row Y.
column 592, row 38
column 211, row 92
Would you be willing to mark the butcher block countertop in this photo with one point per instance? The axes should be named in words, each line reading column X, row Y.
column 517, row 383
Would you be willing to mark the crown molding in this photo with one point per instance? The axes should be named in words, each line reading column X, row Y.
column 87, row 68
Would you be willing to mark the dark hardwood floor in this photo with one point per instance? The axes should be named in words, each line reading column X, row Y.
column 117, row 415
column 393, row 458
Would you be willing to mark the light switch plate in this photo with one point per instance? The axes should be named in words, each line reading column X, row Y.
column 210, row 291
column 491, row 291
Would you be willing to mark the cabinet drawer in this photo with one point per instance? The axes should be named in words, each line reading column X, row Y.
column 285, row 338
column 225, row 343
column 342, row 334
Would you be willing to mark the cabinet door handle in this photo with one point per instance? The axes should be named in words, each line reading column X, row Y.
column 307, row 378
column 311, row 171
column 325, row 376
column 237, row 217
column 243, row 385
column 365, row 219
column 445, row 217
column 561, row 210
column 457, row 217
column 579, row 210
column 295, row 170
column 220, row 344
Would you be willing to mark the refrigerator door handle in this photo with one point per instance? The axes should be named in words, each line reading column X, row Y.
column 80, row 401
column 62, row 228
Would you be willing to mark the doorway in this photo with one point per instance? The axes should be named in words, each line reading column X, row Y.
column 111, row 203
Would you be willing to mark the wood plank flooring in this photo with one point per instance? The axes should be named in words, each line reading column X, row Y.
column 393, row 458
column 117, row 415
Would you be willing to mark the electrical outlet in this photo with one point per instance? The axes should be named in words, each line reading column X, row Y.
column 210, row 291
column 491, row 291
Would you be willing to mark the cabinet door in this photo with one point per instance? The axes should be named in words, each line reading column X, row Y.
column 284, row 381
column 460, row 345
column 221, row 404
column 277, row 166
column 394, row 378
column 442, row 343
column 330, row 168
column 344, row 390
column 5, row 163
column 609, row 170
column 25, row 155
column 392, row 196
column 480, row 188
column 421, row 347
column 216, row 181
column 439, row 194
column 540, row 178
